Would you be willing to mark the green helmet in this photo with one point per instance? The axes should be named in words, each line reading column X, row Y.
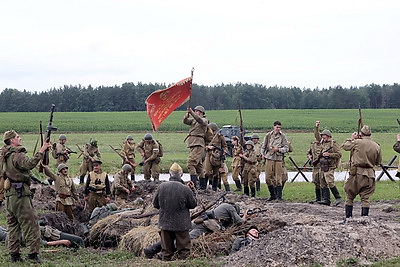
column 127, row 168
column 61, row 166
column 148, row 137
column 200, row 108
column 249, row 142
column 129, row 137
column 327, row 132
column 255, row 136
column 93, row 142
column 213, row 126
column 62, row 137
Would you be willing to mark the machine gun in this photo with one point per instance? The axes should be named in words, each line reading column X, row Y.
column 316, row 161
column 49, row 129
column 204, row 209
column 222, row 151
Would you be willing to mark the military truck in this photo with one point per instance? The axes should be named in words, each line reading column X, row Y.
column 231, row 130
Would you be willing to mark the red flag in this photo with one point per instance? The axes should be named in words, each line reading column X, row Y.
column 161, row 103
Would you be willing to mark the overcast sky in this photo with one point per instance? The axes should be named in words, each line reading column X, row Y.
column 46, row 44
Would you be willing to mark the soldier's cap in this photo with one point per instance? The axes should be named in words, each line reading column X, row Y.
column 127, row 168
column 366, row 130
column 176, row 168
column 112, row 206
column 61, row 166
column 250, row 228
column 9, row 135
column 97, row 162
column 249, row 142
column 326, row 132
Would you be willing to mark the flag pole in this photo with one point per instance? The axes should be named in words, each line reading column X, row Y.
column 190, row 97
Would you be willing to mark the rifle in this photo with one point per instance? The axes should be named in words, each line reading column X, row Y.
column 197, row 214
column 360, row 122
column 241, row 126
column 141, row 215
column 70, row 151
column 80, row 149
column 49, row 129
column 222, row 151
column 33, row 178
column 122, row 157
column 316, row 161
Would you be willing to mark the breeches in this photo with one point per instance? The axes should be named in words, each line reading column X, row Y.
column 67, row 209
column 273, row 173
column 151, row 169
column 359, row 185
column 95, row 200
column 195, row 160
column 327, row 179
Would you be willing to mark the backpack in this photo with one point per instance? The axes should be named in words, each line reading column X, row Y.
column 160, row 149
column 209, row 135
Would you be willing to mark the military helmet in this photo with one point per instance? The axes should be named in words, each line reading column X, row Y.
column 112, row 206
column 255, row 136
column 327, row 132
column 200, row 108
column 213, row 126
column 129, row 137
column 61, row 166
column 249, row 142
column 148, row 137
column 93, row 142
column 62, row 137
column 127, row 168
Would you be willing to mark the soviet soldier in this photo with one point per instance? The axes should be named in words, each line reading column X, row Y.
column 327, row 165
column 196, row 143
column 65, row 189
column 149, row 150
column 257, row 148
column 60, row 151
column 91, row 153
column 215, row 155
column 365, row 154
column 97, row 189
column 122, row 186
column 396, row 148
column 236, row 162
column 1, row 177
column 274, row 147
column 223, row 177
column 250, row 168
column 128, row 150
column 21, row 216
column 312, row 154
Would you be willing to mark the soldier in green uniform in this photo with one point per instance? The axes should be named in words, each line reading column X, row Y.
column 236, row 162
column 122, row 186
column 249, row 175
column 97, row 189
column 91, row 153
column 365, row 154
column 327, row 165
column 149, row 150
column 396, row 148
column 196, row 143
column 257, row 148
column 274, row 146
column 21, row 216
column 65, row 189
column 128, row 150
column 214, row 159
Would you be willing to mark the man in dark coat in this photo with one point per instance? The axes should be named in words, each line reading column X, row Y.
column 174, row 200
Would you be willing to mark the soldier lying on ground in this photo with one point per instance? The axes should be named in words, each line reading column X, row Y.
column 218, row 219
column 250, row 235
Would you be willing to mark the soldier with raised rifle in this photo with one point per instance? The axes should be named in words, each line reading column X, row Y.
column 60, row 151
column 91, row 153
column 312, row 154
column 128, row 150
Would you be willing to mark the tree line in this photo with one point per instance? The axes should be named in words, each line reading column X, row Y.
column 131, row 97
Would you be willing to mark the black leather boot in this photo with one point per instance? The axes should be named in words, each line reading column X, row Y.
column 195, row 181
column 272, row 193
column 16, row 257
column 246, row 190
column 219, row 183
column 349, row 211
column 258, row 186
column 336, row 194
column 227, row 187
column 253, row 191
column 215, row 183
column 317, row 196
column 34, row 257
column 279, row 193
column 364, row 211
column 326, row 197
column 132, row 177
column 149, row 252
column 238, row 186
column 82, row 179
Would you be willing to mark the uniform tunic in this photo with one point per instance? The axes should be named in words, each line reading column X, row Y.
column 97, row 188
column 151, row 168
column 87, row 164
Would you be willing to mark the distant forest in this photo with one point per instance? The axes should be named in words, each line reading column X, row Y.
column 131, row 97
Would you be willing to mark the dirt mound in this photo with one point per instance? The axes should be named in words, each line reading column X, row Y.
column 60, row 221
column 44, row 197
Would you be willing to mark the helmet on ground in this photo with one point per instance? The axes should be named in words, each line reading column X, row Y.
column 62, row 137
column 148, row 137
column 127, row 168
column 326, row 132
column 213, row 126
column 61, row 166
column 200, row 108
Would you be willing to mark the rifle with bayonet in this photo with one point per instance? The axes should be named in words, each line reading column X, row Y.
column 204, row 209
column 49, row 129
column 124, row 159
column 316, row 161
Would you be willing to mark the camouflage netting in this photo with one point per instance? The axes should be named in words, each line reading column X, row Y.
column 139, row 238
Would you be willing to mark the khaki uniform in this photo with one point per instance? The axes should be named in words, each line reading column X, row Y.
column 120, row 184
column 151, row 168
column 60, row 153
column 250, row 169
column 65, row 190
column 213, row 161
column 21, row 216
column 87, row 164
column 274, row 160
column 223, row 173
column 313, row 152
column 97, row 188
column 257, row 149
column 1, row 177
column 196, row 144
column 365, row 155
column 236, row 162
column 128, row 151
column 396, row 148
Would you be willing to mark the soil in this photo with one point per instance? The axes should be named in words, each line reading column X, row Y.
column 292, row 234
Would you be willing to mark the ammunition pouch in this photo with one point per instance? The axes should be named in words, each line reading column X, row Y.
column 324, row 164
